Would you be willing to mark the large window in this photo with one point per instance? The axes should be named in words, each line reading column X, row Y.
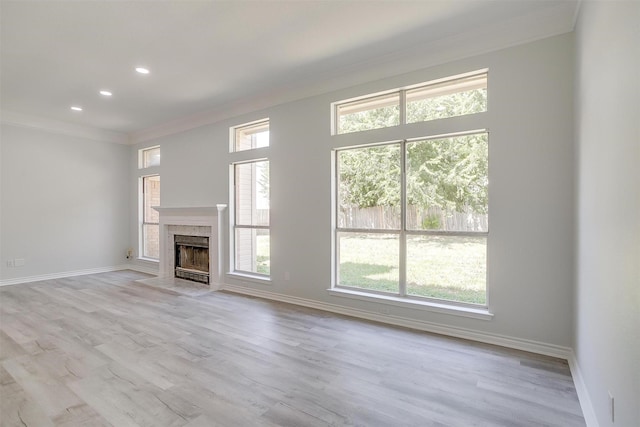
column 412, row 215
column 412, row 218
column 250, row 234
column 148, row 161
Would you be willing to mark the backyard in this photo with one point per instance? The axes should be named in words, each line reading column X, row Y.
column 443, row 267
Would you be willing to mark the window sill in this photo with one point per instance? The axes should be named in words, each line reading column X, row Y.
column 481, row 313
column 264, row 280
column 157, row 261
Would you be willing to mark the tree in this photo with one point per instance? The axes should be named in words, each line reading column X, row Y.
column 448, row 173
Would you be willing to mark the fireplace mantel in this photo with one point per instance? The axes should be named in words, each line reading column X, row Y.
column 204, row 211
column 209, row 220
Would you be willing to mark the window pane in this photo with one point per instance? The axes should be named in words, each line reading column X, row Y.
column 447, row 184
column 369, row 261
column 252, row 136
column 369, row 187
column 151, row 189
column 252, row 250
column 447, row 267
column 151, row 157
column 151, row 240
column 252, row 193
column 370, row 113
column 447, row 99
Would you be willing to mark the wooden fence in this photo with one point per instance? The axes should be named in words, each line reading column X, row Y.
column 418, row 218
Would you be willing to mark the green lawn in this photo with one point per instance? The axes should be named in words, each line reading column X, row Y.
column 445, row 267
column 263, row 253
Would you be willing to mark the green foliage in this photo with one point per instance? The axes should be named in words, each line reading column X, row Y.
column 449, row 173
column 371, row 119
column 450, row 105
column 370, row 176
column 431, row 222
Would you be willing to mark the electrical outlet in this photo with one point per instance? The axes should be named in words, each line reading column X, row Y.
column 612, row 408
column 10, row 263
column 18, row 262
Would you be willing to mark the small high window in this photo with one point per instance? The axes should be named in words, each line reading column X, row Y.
column 250, row 136
column 368, row 113
column 149, row 157
column 457, row 97
column 438, row 99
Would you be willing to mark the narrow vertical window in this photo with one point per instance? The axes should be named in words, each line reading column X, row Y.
column 150, row 217
column 149, row 196
column 250, row 233
column 251, row 236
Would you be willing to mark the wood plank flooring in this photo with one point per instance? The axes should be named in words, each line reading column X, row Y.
column 105, row 350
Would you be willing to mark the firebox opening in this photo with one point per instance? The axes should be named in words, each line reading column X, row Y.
column 192, row 258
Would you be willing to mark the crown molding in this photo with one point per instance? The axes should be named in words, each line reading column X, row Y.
column 61, row 128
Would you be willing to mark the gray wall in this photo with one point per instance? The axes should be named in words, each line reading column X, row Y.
column 607, row 333
column 64, row 202
column 530, row 250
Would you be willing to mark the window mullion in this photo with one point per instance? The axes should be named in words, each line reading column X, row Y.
column 402, row 261
column 403, row 107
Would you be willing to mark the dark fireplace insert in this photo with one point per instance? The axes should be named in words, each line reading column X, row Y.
column 192, row 258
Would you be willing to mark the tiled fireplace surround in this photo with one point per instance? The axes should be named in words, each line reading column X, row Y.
column 192, row 221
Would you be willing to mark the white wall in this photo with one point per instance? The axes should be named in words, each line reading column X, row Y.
column 607, row 326
column 530, row 121
column 64, row 203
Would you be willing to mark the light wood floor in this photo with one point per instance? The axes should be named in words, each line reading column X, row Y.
column 103, row 350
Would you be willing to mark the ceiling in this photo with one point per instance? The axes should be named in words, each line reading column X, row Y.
column 208, row 58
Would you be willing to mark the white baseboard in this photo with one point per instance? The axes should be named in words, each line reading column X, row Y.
column 143, row 269
column 63, row 274
column 501, row 340
column 583, row 392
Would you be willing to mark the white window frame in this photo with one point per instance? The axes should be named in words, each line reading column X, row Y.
column 144, row 172
column 245, row 156
column 141, row 157
column 403, row 232
column 446, row 85
column 478, row 311
column 236, row 130
column 143, row 222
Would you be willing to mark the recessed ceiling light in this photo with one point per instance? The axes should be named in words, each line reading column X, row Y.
column 105, row 93
column 142, row 70
column 76, row 108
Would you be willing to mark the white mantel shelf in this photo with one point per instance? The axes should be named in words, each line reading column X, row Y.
column 190, row 211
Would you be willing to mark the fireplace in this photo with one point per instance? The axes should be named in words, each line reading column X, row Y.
column 192, row 258
column 183, row 253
